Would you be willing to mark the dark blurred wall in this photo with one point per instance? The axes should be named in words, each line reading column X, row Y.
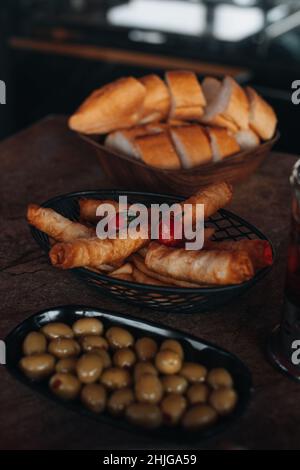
column 6, row 110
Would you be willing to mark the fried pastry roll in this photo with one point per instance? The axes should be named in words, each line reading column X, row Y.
column 126, row 268
column 55, row 225
column 142, row 278
column 209, row 267
column 260, row 251
column 88, row 208
column 214, row 197
column 94, row 252
column 122, row 276
column 139, row 263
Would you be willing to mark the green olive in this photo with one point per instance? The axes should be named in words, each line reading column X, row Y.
column 65, row 386
column 223, row 400
column 199, row 417
column 57, row 330
column 142, row 368
column 198, row 393
column 124, row 357
column 88, row 327
column 93, row 343
column 106, row 359
column 173, row 345
column 148, row 389
column 93, row 396
column 63, row 347
column 146, row 349
column 34, row 343
column 174, row 384
column 119, row 337
column 219, row 377
column 89, row 368
column 120, row 400
column 38, row 366
column 144, row 414
column 66, row 366
column 193, row 372
column 172, row 407
column 168, row 362
column 115, row 378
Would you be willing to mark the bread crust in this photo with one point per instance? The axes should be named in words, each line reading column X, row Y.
column 221, row 121
column 229, row 108
column 158, row 151
column 123, row 140
column 192, row 145
column 157, row 100
column 223, row 143
column 187, row 98
column 114, row 106
column 238, row 106
column 262, row 117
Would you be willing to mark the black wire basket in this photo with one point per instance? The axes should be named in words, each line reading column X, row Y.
column 227, row 225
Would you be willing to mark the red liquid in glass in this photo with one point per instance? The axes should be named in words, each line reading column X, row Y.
column 292, row 291
column 290, row 326
column 284, row 340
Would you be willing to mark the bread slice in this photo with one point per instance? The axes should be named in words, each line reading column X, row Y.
column 123, row 141
column 156, row 127
column 192, row 145
column 247, row 140
column 158, row 151
column 165, row 126
column 157, row 101
column 211, row 88
column 262, row 116
column 230, row 103
column 187, row 99
column 223, row 144
column 221, row 121
column 114, row 106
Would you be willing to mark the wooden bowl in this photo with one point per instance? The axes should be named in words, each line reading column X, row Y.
column 127, row 172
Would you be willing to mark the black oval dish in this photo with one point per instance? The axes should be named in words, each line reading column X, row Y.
column 227, row 225
column 195, row 350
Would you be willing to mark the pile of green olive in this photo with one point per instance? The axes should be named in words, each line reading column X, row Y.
column 150, row 384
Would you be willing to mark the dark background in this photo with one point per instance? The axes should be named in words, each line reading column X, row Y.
column 49, row 80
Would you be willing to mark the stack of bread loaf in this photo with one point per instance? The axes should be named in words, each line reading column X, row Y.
column 179, row 122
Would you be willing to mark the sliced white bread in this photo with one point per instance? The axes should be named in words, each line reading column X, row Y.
column 157, row 100
column 262, row 117
column 114, row 106
column 230, row 104
column 187, row 99
column 247, row 139
column 223, row 144
column 156, row 127
column 192, row 145
column 157, row 150
column 221, row 121
column 211, row 87
column 123, row 141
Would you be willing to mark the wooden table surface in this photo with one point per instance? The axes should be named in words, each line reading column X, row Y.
column 47, row 160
